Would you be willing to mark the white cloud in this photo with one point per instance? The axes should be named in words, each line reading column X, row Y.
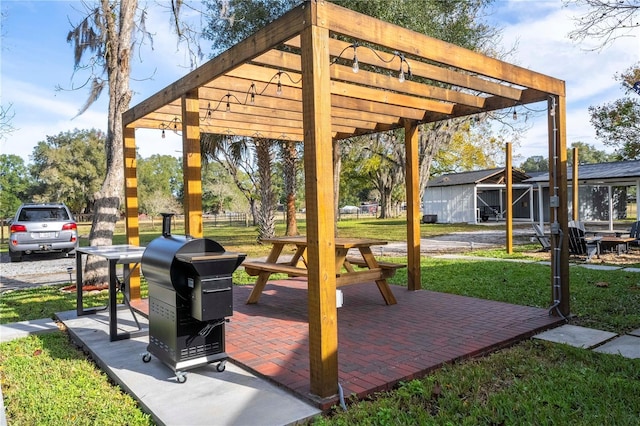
column 541, row 32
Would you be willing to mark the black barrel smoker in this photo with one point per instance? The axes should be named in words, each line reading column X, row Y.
column 190, row 296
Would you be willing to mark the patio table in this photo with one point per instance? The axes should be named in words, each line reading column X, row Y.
column 621, row 244
column 125, row 255
column 618, row 233
column 346, row 274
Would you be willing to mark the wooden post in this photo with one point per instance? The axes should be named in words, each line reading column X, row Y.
column 191, row 163
column 558, row 197
column 318, row 163
column 574, row 180
column 131, row 204
column 508, row 168
column 411, row 137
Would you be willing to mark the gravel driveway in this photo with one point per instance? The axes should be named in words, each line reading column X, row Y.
column 39, row 269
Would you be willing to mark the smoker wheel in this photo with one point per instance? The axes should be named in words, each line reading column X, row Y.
column 146, row 357
column 221, row 366
column 181, row 376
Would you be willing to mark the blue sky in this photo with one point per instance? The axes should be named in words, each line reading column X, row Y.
column 35, row 59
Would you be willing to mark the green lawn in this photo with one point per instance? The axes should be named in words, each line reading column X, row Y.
column 531, row 383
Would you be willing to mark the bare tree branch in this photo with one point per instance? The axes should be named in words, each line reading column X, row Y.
column 605, row 20
column 6, row 115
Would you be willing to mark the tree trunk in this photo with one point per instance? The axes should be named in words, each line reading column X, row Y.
column 107, row 204
column 266, row 216
column 337, row 166
column 289, row 157
column 254, row 211
column 292, row 222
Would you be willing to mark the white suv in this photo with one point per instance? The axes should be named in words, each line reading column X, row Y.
column 40, row 228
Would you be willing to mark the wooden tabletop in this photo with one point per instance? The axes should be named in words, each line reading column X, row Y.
column 608, row 232
column 609, row 239
column 114, row 252
column 340, row 242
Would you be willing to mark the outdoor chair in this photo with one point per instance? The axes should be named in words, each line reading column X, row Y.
column 635, row 233
column 579, row 245
column 577, row 224
column 542, row 238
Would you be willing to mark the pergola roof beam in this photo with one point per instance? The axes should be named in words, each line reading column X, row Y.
column 363, row 27
column 368, row 78
column 368, row 55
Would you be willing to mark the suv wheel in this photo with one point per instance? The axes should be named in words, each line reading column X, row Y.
column 16, row 257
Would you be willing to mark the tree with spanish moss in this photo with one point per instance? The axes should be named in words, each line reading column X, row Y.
column 104, row 42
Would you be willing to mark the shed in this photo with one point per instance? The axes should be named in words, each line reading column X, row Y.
column 477, row 196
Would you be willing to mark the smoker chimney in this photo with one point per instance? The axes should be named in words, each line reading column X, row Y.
column 166, row 224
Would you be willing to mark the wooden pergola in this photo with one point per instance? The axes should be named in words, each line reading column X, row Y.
column 295, row 79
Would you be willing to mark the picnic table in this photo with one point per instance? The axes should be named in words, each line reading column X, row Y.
column 349, row 269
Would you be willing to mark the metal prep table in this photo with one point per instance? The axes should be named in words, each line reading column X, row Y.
column 125, row 255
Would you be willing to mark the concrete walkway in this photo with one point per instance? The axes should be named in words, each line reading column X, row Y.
column 21, row 329
column 627, row 345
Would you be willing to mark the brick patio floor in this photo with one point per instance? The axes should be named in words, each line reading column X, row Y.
column 378, row 345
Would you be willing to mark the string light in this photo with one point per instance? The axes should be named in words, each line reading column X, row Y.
column 252, row 93
column 355, row 65
column 279, row 87
column 250, row 97
column 172, row 125
column 403, row 61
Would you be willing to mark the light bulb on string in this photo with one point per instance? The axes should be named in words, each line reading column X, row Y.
column 252, row 92
column 356, row 66
column 279, row 85
column 401, row 75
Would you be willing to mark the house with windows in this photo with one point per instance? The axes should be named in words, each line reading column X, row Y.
column 606, row 192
